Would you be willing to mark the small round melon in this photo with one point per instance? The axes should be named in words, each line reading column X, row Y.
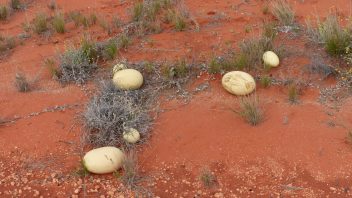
column 238, row 83
column 131, row 136
column 128, row 79
column 103, row 160
column 118, row 67
column 271, row 59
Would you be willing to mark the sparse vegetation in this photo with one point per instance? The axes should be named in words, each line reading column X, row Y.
column 15, row 4
column 21, row 83
column 251, row 51
column 293, row 93
column 123, row 41
column 207, row 178
column 59, row 23
column 75, row 17
column 130, row 177
column 283, row 12
column 6, row 43
column 138, row 11
column 40, row 23
column 149, row 16
column 214, row 66
column 330, row 33
column 250, row 110
column 76, row 65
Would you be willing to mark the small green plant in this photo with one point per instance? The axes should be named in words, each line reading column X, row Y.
column 265, row 81
column 93, row 19
column 103, row 23
column 269, row 30
column 75, row 17
column 49, row 63
column 116, row 22
column 4, row 13
column 21, row 83
column 250, row 110
column 59, row 23
column 89, row 49
column 180, row 23
column 283, row 12
column 149, row 67
column 138, row 11
column 170, row 16
column 152, row 11
column 15, row 4
column 293, row 93
column 247, row 29
column 110, row 49
column 207, row 178
column 181, row 69
column 40, row 23
column 123, row 41
column 214, row 66
column 240, row 61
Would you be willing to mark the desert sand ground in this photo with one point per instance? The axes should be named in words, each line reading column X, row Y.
column 298, row 150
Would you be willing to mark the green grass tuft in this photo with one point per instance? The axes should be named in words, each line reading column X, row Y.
column 59, row 23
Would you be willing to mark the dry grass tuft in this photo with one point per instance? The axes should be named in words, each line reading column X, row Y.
column 21, row 83
column 250, row 110
column 207, row 178
column 283, row 12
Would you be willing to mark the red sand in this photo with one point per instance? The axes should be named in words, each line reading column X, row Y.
column 294, row 152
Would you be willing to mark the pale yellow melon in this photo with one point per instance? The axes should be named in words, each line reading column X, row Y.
column 238, row 83
column 103, row 160
column 128, row 79
column 131, row 136
column 271, row 59
column 118, row 67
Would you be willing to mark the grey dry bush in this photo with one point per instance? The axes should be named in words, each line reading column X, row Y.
column 75, row 66
column 112, row 111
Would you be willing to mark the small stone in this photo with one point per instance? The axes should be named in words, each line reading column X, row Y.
column 77, row 191
column 219, row 195
column 332, row 188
